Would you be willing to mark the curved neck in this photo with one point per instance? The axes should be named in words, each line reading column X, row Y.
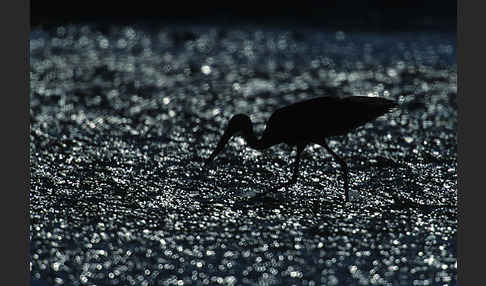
column 253, row 142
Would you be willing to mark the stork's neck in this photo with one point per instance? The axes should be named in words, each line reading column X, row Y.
column 255, row 143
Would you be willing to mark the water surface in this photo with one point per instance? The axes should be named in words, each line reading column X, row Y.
column 122, row 118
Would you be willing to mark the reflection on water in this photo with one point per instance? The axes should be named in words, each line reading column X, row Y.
column 122, row 119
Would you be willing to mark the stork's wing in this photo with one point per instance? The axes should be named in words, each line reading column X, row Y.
column 321, row 117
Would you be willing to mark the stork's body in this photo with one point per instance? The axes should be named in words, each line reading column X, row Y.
column 307, row 122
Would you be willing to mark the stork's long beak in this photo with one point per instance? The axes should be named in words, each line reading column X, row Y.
column 222, row 142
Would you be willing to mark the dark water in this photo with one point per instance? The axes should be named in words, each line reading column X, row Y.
column 122, row 118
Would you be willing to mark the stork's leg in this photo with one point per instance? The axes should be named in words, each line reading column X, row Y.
column 343, row 166
column 292, row 181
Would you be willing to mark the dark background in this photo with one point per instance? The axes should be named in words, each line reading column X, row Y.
column 346, row 14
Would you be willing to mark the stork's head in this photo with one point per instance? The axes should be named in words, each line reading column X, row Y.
column 239, row 123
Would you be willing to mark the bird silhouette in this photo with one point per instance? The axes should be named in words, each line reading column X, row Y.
column 307, row 122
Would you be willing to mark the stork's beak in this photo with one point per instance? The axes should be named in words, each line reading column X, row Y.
column 222, row 142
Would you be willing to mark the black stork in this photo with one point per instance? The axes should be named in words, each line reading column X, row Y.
column 307, row 122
